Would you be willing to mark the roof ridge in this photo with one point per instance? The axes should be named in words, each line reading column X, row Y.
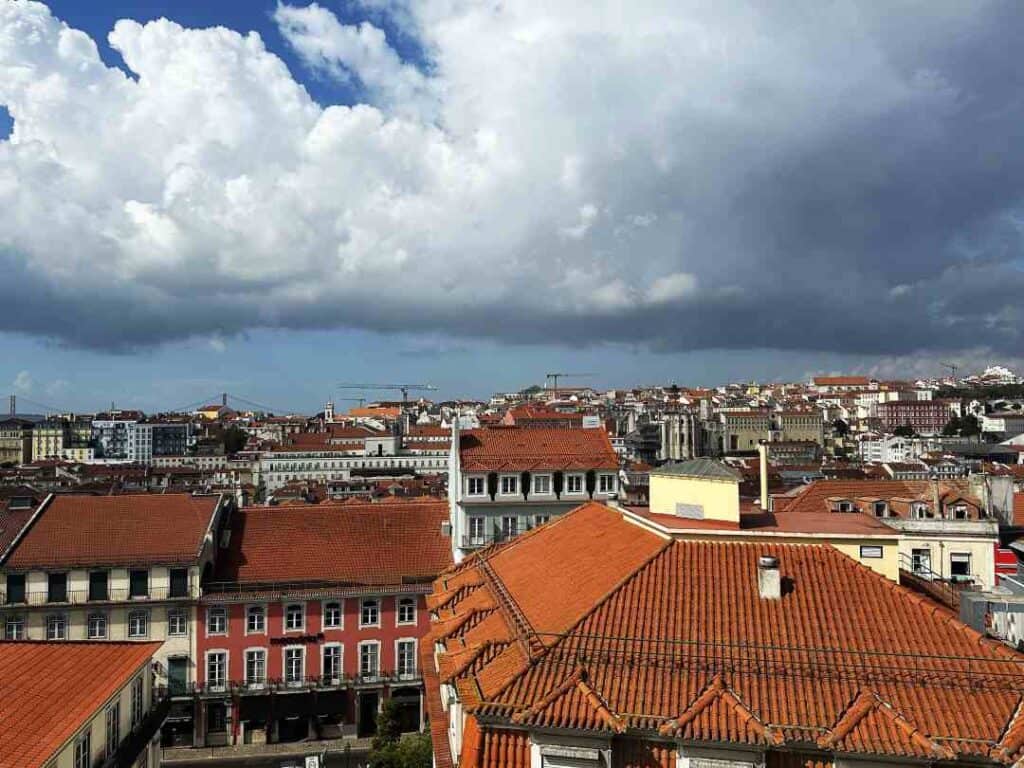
column 867, row 702
column 600, row 705
column 711, row 692
column 553, row 695
column 1012, row 737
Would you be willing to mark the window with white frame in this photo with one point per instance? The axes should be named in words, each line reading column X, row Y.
column 138, row 624
column 255, row 667
column 405, row 658
column 216, row 669
column 177, row 622
column 407, row 610
column 476, row 530
column 332, row 615
column 541, row 519
column 96, row 626
column 294, row 618
column 113, row 727
column 369, row 659
column 14, row 627
column 294, row 665
column 606, row 483
column 869, row 551
column 83, row 750
column 255, row 620
column 56, row 627
column 331, row 665
column 475, row 486
column 509, row 485
column 136, row 701
column 960, row 565
column 542, row 484
column 574, row 483
column 959, row 512
column 216, row 620
column 369, row 613
column 509, row 526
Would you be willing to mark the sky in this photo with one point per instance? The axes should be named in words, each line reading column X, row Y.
column 270, row 198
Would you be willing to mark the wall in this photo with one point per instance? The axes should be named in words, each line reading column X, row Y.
column 720, row 499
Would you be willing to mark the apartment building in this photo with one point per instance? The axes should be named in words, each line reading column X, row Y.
column 313, row 617
column 830, row 385
column 78, row 705
column 114, row 568
column 743, row 430
column 649, row 652
column 800, row 426
column 926, row 417
column 507, row 480
column 15, row 440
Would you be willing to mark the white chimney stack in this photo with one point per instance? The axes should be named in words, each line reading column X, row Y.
column 769, row 581
column 762, row 453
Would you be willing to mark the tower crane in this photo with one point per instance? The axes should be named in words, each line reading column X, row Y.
column 952, row 369
column 405, row 389
column 554, row 377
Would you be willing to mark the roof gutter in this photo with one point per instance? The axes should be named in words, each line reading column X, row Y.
column 25, row 528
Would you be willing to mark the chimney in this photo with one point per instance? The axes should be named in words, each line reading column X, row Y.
column 935, row 498
column 769, row 581
column 762, row 452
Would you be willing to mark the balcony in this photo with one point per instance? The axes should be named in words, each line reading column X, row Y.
column 87, row 597
column 280, row 685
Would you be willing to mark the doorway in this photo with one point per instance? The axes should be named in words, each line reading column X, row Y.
column 369, row 703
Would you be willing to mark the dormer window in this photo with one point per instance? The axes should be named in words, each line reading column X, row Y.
column 958, row 512
column 920, row 512
column 881, row 509
column 845, row 506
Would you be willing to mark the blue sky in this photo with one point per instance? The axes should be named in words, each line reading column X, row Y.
column 522, row 189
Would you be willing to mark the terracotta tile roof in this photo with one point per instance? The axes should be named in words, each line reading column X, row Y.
column 841, row 381
column 817, row 496
column 375, row 543
column 76, row 530
column 51, row 689
column 822, row 523
column 514, row 449
column 672, row 638
column 1018, row 509
column 12, row 521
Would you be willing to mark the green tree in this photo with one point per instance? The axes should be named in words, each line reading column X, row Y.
column 952, row 427
column 412, row 751
column 389, row 729
column 235, row 439
column 904, row 431
column 840, row 428
column 969, row 426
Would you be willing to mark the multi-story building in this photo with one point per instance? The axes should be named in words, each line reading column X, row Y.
column 113, row 568
column 506, row 480
column 313, row 617
column 77, row 705
column 681, row 436
column 830, row 385
column 743, row 430
column 1006, row 423
column 800, row 426
column 926, row 417
column 609, row 646
column 883, row 449
column 15, row 440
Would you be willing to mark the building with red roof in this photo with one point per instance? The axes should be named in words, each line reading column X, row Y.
column 313, row 617
column 593, row 643
column 506, row 480
column 75, row 704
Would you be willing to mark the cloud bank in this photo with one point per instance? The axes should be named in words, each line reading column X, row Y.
column 843, row 176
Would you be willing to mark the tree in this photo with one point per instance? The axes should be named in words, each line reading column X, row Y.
column 969, row 426
column 904, row 431
column 389, row 729
column 840, row 428
column 391, row 750
column 235, row 439
column 952, row 427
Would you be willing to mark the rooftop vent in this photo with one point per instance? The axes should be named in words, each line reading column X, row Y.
column 769, row 581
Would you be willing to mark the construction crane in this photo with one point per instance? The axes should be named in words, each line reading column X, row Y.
column 360, row 400
column 952, row 369
column 554, row 377
column 405, row 389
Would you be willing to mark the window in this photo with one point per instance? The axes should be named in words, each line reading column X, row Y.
column 216, row 668
column 476, row 530
column 56, row 627
column 255, row 620
column 870, row 552
column 113, row 728
column 332, row 615
column 881, row 509
column 136, row 701
column 921, row 561
column 509, row 485
column 407, row 610
column 509, row 527
column 216, row 620
column 98, row 581
column 14, row 627
column 138, row 624
column 542, row 483
column 294, row 671
column 255, row 667
column 405, row 656
column 332, row 663
column 369, row 659
column 138, row 583
column 920, row 512
column 57, row 588
column 179, row 582
column 959, row 512
column 369, row 613
column 541, row 519
column 475, row 486
column 177, row 622
column 83, row 750
column 960, row 565
column 294, row 618
column 606, row 483
column 97, row 626
column 15, row 588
